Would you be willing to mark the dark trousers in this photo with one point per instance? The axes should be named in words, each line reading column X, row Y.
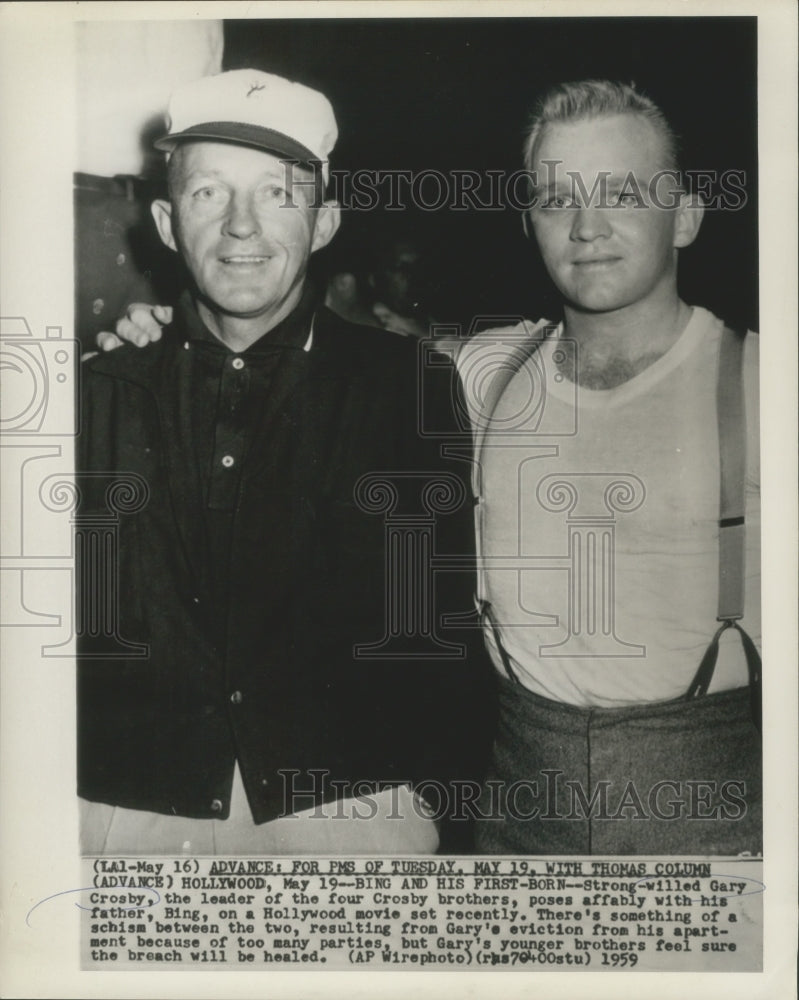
column 676, row 777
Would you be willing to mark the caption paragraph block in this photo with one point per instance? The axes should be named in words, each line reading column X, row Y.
column 445, row 914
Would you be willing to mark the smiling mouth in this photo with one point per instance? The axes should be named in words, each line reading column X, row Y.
column 245, row 259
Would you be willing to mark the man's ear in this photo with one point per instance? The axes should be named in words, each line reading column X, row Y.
column 527, row 224
column 328, row 219
column 162, row 214
column 690, row 213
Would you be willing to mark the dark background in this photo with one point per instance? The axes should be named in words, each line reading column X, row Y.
column 450, row 94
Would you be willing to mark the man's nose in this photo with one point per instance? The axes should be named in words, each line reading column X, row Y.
column 242, row 220
column 590, row 224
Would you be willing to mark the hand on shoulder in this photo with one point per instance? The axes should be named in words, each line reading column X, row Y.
column 142, row 324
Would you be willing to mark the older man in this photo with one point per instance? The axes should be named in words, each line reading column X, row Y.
column 258, row 700
column 614, row 577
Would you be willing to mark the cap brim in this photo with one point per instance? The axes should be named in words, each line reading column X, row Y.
column 242, row 134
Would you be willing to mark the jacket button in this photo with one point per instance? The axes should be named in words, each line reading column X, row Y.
column 237, row 697
column 216, row 805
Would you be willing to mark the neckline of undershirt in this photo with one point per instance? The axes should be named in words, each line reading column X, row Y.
column 695, row 332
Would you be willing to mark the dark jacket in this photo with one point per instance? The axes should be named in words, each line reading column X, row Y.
column 284, row 692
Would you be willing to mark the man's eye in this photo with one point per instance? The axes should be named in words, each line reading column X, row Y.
column 558, row 201
column 208, row 193
column 625, row 199
column 274, row 192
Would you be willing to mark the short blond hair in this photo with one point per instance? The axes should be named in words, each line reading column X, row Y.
column 586, row 99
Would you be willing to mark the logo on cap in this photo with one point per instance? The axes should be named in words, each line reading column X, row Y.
column 284, row 118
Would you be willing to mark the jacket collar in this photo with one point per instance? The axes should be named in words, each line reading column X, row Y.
column 293, row 332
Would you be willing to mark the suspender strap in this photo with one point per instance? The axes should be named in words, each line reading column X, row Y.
column 487, row 618
column 732, row 452
column 704, row 675
column 515, row 361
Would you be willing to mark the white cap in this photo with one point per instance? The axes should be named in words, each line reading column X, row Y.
column 251, row 108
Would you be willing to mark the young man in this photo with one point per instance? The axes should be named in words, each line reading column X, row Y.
column 236, row 666
column 598, row 519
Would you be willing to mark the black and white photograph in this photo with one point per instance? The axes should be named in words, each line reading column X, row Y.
column 238, row 475
column 388, row 586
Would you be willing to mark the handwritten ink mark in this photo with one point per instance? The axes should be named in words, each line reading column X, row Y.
column 92, row 888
